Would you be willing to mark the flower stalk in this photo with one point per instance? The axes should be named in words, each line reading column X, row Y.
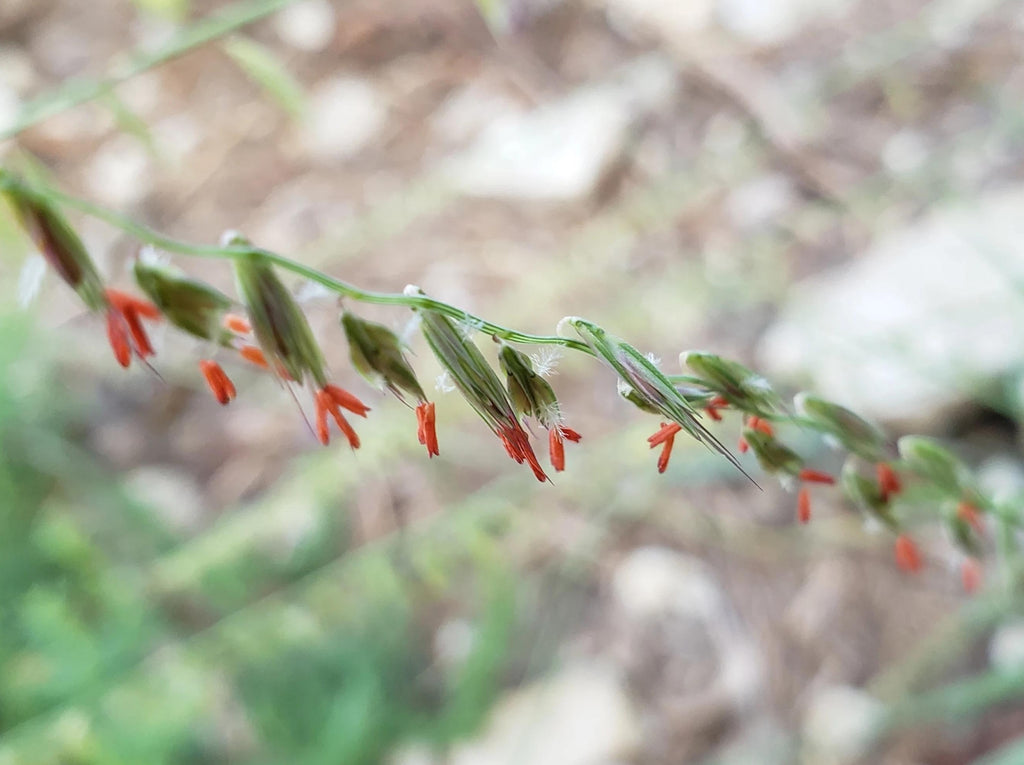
column 895, row 486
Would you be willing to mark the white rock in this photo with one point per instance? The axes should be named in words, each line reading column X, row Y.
column 344, row 114
column 16, row 70
column 561, row 150
column 10, row 106
column 172, row 495
column 1001, row 478
column 308, row 25
column 412, row 754
column 1006, row 650
column 769, row 22
column 653, row 581
column 839, row 724
column 761, row 200
column 119, row 173
column 468, row 110
column 581, row 716
column 932, row 305
column 905, row 152
column 668, row 20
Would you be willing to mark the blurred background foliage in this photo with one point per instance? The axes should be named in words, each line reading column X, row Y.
column 183, row 583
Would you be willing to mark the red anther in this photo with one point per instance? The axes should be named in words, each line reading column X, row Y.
column 556, row 448
column 971, row 575
column 807, row 475
column 139, row 337
column 908, row 557
column 570, row 435
column 888, row 480
column 719, row 402
column 712, row 412
column 346, row 400
column 124, row 325
column 742, row 445
column 117, row 334
column 237, row 324
column 763, row 426
column 517, row 444
column 126, row 303
column 254, row 356
column 557, row 436
column 425, row 428
column 217, row 380
column 327, row 402
column 666, row 452
column 667, row 431
column 803, row 505
column 969, row 514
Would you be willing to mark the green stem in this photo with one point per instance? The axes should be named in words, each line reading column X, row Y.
column 80, row 91
column 337, row 286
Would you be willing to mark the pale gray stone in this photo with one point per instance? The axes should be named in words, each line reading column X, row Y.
column 905, row 330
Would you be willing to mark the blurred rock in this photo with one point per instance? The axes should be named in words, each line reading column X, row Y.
column 172, row 495
column 308, row 25
column 663, row 19
column 839, row 724
column 654, row 581
column 684, row 650
column 901, row 331
column 561, row 150
column 772, row 22
column 344, row 114
column 10, row 106
column 119, row 173
column 759, row 201
column 470, row 109
column 412, row 754
column 1006, row 649
column 580, row 716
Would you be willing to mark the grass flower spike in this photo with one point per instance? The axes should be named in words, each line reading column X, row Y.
column 377, row 354
column 288, row 344
column 479, row 385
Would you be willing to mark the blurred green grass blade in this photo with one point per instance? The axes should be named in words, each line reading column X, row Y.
column 173, row 10
column 264, row 68
column 129, row 122
column 494, row 14
column 1011, row 754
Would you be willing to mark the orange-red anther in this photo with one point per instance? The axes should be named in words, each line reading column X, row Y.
column 330, row 400
column 762, row 425
column 517, row 444
column 969, row 514
column 254, row 356
column 218, row 381
column 425, row 428
column 888, row 481
column 667, row 431
column 807, row 475
column 117, row 335
column 557, row 436
column 124, row 325
column 712, row 412
column 908, row 557
column 742, row 445
column 666, row 436
column 971, row 575
column 556, row 448
column 719, row 402
column 126, row 303
column 237, row 324
column 803, row 505
column 346, row 400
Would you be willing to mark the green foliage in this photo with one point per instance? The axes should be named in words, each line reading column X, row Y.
column 267, row 71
